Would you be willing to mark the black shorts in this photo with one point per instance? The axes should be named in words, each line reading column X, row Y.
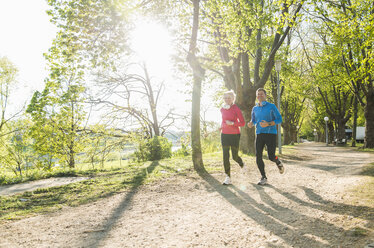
column 230, row 139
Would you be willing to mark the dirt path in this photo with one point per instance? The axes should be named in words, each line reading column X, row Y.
column 45, row 183
column 308, row 206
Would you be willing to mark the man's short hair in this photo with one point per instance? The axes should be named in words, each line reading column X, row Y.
column 261, row 89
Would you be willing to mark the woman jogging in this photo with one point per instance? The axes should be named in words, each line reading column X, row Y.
column 232, row 119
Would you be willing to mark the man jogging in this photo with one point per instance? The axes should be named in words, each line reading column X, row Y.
column 265, row 116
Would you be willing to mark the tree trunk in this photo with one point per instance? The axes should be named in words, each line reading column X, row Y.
column 330, row 127
column 20, row 169
column 247, row 137
column 341, row 129
column 289, row 133
column 71, row 155
column 72, row 136
column 369, row 116
column 197, row 157
column 151, row 102
column 286, row 134
column 198, row 75
column 354, row 130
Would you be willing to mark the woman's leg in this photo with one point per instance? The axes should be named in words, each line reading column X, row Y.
column 226, row 152
column 235, row 150
column 226, row 159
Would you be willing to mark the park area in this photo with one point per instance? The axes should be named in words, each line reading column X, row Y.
column 120, row 121
column 324, row 199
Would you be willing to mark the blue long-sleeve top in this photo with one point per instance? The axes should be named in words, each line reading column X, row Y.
column 267, row 112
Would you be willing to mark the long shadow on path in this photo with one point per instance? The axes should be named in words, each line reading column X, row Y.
column 95, row 239
column 295, row 228
column 317, row 202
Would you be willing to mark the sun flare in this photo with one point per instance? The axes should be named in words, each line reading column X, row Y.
column 151, row 42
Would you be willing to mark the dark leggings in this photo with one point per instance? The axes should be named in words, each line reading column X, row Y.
column 269, row 140
column 230, row 141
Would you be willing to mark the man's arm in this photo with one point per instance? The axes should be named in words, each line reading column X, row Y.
column 278, row 117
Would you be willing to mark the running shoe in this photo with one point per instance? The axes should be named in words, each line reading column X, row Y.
column 227, row 180
column 263, row 181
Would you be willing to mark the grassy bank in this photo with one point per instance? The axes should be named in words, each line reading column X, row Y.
column 115, row 177
column 111, row 179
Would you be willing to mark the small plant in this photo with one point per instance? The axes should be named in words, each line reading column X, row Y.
column 358, row 232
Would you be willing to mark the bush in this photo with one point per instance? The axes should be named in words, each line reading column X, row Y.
column 211, row 142
column 155, row 148
column 183, row 151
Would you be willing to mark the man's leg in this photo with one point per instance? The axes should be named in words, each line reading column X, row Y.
column 260, row 143
column 271, row 145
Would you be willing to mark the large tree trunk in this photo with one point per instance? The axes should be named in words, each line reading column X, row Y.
column 369, row 116
column 341, row 129
column 197, row 157
column 198, row 75
column 247, row 138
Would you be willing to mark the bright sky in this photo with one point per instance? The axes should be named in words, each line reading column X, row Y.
column 26, row 33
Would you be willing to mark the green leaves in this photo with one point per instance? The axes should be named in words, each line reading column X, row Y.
column 90, row 31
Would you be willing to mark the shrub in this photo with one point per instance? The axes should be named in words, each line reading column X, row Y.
column 183, row 151
column 211, row 142
column 152, row 149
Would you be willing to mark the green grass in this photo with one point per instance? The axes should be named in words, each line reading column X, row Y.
column 364, row 192
column 84, row 169
column 104, row 182
column 360, row 147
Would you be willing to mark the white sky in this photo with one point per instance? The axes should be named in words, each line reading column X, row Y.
column 26, row 33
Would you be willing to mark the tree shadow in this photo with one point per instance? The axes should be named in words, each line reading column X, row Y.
column 322, row 167
column 96, row 238
column 368, row 170
column 362, row 212
column 295, row 228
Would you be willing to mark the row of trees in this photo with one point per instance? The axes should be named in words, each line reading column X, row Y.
column 325, row 47
column 247, row 34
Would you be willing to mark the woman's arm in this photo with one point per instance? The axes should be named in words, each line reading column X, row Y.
column 241, row 121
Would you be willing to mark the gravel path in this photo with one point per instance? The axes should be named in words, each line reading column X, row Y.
column 311, row 205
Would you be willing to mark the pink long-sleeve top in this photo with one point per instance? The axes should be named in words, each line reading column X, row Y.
column 235, row 115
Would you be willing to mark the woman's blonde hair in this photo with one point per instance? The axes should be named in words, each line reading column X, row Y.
column 231, row 93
